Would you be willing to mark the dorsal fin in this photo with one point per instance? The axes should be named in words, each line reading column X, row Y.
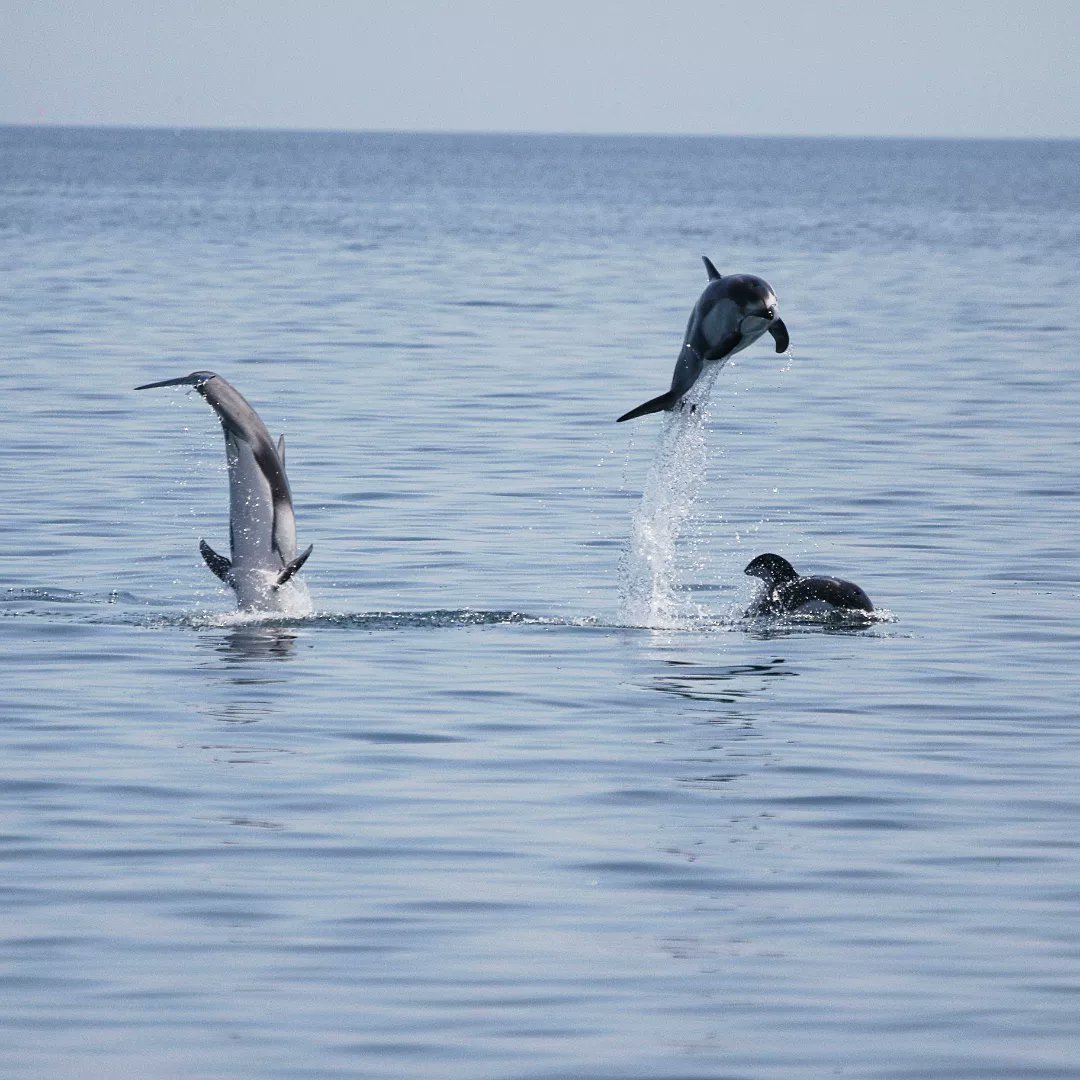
column 281, row 448
column 714, row 274
column 219, row 565
column 293, row 567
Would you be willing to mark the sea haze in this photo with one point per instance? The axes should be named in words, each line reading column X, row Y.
column 473, row 820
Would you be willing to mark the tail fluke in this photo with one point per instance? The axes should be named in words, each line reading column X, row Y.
column 293, row 568
column 657, row 404
column 220, row 567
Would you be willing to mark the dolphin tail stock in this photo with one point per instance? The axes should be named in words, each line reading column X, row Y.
column 196, row 378
column 293, row 567
column 658, row 404
column 714, row 274
column 780, row 335
column 220, row 567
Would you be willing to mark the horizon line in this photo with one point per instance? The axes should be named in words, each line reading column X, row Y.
column 517, row 133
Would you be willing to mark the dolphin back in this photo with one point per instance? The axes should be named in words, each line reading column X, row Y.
column 242, row 422
column 257, row 479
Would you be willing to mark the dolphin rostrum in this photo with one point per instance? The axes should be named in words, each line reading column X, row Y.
column 731, row 313
column 262, row 526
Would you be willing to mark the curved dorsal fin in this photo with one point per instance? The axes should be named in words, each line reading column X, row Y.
column 281, row 449
column 714, row 274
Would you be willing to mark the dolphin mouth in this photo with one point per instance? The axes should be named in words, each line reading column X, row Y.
column 754, row 324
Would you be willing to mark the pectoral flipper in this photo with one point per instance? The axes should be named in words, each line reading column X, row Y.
column 219, row 565
column 293, row 567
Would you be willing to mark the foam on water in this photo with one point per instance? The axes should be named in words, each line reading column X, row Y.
column 293, row 600
column 366, row 620
column 62, row 605
column 58, row 605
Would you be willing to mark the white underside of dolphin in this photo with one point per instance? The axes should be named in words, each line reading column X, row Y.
column 262, row 526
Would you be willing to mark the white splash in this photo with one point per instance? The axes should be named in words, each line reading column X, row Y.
column 677, row 473
column 294, row 600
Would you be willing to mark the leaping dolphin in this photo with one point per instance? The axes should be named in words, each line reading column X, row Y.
column 262, row 526
column 731, row 313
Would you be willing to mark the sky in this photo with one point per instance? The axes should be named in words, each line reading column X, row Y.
column 993, row 68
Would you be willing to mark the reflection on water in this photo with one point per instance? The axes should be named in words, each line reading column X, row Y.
column 238, row 712
column 715, row 684
column 834, row 622
column 242, row 644
column 244, row 680
column 727, row 711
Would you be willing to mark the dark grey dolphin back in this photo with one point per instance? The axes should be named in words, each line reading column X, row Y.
column 240, row 421
column 829, row 590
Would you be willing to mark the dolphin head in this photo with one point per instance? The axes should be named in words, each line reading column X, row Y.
column 758, row 310
column 772, row 569
column 732, row 313
column 755, row 303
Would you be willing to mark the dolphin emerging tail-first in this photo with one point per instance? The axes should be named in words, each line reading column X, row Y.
column 262, row 526
column 732, row 312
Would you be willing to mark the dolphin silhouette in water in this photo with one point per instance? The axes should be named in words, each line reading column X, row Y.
column 262, row 526
column 786, row 590
column 731, row 313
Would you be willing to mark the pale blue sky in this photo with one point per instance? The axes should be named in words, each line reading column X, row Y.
column 910, row 67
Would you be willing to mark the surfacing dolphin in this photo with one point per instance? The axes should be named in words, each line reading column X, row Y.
column 785, row 590
column 262, row 526
column 731, row 313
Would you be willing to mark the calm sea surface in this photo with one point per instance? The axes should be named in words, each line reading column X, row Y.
column 468, row 823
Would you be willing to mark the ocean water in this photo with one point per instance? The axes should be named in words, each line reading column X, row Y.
column 526, row 799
